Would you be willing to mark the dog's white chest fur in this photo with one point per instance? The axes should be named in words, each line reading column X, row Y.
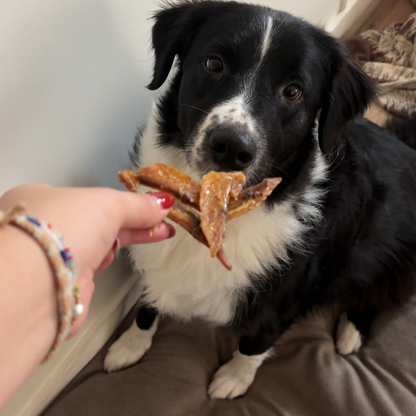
column 182, row 279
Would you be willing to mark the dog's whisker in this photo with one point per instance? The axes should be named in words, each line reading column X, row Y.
column 271, row 165
column 192, row 106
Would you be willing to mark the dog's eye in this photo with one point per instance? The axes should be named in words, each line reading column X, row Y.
column 293, row 92
column 214, row 64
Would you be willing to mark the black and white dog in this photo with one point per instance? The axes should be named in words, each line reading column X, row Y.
column 263, row 92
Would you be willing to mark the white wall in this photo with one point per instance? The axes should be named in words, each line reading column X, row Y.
column 72, row 76
column 71, row 88
column 316, row 11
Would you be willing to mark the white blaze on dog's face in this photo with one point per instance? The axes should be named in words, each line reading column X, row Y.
column 230, row 135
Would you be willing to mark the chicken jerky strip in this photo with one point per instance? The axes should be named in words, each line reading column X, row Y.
column 168, row 179
column 216, row 190
column 252, row 197
column 190, row 220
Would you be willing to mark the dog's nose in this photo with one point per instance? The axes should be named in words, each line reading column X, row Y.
column 232, row 150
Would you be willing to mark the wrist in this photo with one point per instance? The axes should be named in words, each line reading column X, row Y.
column 36, row 292
column 63, row 267
column 28, row 306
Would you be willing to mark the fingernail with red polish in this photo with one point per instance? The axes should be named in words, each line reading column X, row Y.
column 172, row 231
column 164, row 199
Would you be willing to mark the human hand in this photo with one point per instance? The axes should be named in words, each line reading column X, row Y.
column 91, row 220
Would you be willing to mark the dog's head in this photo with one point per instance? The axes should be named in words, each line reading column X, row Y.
column 250, row 84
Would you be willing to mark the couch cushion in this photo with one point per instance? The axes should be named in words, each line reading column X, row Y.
column 305, row 376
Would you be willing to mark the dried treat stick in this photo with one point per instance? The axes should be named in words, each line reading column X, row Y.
column 216, row 190
column 164, row 178
column 129, row 179
column 252, row 197
column 191, row 222
column 239, row 180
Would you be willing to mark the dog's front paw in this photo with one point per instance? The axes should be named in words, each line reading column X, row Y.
column 348, row 339
column 232, row 379
column 230, row 382
column 128, row 349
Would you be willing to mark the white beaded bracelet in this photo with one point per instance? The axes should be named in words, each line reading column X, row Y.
column 61, row 260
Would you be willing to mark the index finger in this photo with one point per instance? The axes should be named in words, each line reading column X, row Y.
column 144, row 210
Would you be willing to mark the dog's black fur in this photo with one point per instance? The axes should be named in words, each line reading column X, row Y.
column 362, row 254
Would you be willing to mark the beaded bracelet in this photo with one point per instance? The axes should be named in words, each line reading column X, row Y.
column 61, row 260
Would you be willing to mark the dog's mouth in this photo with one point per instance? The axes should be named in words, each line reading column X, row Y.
column 224, row 149
column 199, row 167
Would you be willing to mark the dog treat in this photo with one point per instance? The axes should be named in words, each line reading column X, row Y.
column 252, row 197
column 190, row 220
column 203, row 210
column 129, row 179
column 216, row 190
column 167, row 179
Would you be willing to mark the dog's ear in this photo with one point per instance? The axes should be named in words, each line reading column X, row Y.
column 173, row 30
column 348, row 94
